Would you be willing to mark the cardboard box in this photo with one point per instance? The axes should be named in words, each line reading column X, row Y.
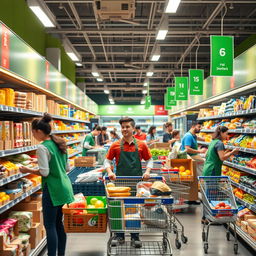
column 160, row 145
column 85, row 161
column 10, row 251
column 29, row 206
column 38, row 216
column 18, row 243
column 34, row 233
column 26, row 251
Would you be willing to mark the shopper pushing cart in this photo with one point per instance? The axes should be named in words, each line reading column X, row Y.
column 219, row 206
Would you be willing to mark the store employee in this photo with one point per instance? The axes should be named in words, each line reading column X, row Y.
column 89, row 141
column 128, row 153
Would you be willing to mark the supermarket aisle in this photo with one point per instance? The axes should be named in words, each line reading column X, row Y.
column 95, row 244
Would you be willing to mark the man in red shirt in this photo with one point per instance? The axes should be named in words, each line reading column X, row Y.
column 128, row 153
column 139, row 134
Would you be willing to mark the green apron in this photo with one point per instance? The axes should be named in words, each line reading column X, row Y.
column 58, row 183
column 89, row 138
column 129, row 163
column 213, row 164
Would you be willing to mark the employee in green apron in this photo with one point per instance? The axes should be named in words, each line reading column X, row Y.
column 57, row 189
column 216, row 152
column 89, row 140
column 128, row 153
column 216, row 155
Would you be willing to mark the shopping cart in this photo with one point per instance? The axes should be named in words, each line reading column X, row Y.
column 147, row 215
column 180, row 191
column 217, row 194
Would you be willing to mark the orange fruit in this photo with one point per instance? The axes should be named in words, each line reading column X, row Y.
column 99, row 204
column 188, row 172
column 182, row 168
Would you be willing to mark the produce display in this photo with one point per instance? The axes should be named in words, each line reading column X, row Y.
column 73, row 148
column 221, row 206
column 159, row 152
column 59, row 125
column 234, row 174
column 244, row 196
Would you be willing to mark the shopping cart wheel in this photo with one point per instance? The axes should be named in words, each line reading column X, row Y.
column 203, row 236
column 177, row 243
column 184, row 239
column 228, row 236
column 236, row 248
column 205, row 248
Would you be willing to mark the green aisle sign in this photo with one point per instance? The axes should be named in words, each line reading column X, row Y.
column 166, row 105
column 148, row 102
column 171, row 96
column 222, row 55
column 181, row 88
column 196, row 81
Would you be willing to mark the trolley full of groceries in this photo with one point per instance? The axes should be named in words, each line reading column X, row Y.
column 219, row 206
column 138, row 208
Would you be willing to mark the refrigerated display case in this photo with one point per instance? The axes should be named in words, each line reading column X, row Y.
column 183, row 123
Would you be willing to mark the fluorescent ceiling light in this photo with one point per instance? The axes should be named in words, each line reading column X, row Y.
column 72, row 56
column 146, row 83
column 142, row 102
column 99, row 79
column 172, row 6
column 112, row 102
column 155, row 57
column 78, row 64
column 144, row 91
column 161, row 34
column 149, row 73
column 106, row 91
column 95, row 74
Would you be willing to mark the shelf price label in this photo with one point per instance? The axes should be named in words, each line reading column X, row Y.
column 196, row 81
column 181, row 88
column 147, row 102
column 222, row 55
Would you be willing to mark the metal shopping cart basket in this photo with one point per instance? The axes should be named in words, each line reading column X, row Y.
column 143, row 215
column 219, row 206
column 180, row 191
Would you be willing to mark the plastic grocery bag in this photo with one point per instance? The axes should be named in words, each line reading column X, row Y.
column 91, row 176
column 24, row 220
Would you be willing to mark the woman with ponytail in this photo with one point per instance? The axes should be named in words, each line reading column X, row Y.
column 57, row 189
column 216, row 153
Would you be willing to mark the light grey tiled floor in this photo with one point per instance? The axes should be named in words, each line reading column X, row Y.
column 96, row 244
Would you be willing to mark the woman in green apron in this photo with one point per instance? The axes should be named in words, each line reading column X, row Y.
column 216, row 155
column 216, row 152
column 57, row 189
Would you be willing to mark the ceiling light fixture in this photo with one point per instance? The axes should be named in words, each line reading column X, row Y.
column 72, row 56
column 172, row 6
column 106, row 91
column 78, row 64
column 156, row 53
column 71, row 51
column 163, row 28
column 144, row 91
column 149, row 73
column 95, row 71
column 112, row 102
column 43, row 13
column 99, row 79
column 146, row 82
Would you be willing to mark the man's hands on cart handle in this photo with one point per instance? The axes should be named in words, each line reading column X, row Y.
column 146, row 175
column 111, row 175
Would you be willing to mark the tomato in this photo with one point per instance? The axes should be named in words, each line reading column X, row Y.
column 217, row 207
column 227, row 207
column 222, row 204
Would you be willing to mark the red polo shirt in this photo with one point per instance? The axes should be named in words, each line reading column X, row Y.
column 142, row 136
column 115, row 150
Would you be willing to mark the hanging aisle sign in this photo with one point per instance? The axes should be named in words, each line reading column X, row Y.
column 181, row 88
column 147, row 102
column 196, row 81
column 222, row 55
column 166, row 105
column 171, row 96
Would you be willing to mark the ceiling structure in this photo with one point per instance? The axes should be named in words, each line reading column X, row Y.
column 121, row 50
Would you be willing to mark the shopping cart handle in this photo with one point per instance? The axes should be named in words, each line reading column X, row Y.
column 134, row 177
column 212, row 177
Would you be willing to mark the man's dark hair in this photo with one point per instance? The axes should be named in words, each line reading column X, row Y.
column 194, row 123
column 97, row 128
column 127, row 119
column 137, row 127
column 104, row 128
column 168, row 124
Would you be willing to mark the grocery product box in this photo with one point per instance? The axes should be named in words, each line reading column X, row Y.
column 85, row 161
column 12, row 250
column 26, row 251
column 30, row 206
column 160, row 145
column 35, row 236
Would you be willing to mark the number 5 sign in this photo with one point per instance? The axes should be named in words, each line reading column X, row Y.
column 222, row 55
column 196, row 81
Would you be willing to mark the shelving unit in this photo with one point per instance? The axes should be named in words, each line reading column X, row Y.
column 19, row 199
column 246, row 130
column 244, row 188
column 240, row 167
column 74, row 142
column 75, row 153
column 249, row 206
column 16, row 151
column 39, row 248
column 12, row 178
column 70, row 131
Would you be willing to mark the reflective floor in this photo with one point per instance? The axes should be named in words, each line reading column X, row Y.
column 96, row 244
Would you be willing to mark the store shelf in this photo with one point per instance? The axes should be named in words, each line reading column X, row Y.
column 244, row 188
column 17, row 200
column 231, row 114
column 15, row 151
column 252, row 207
column 75, row 153
column 70, row 119
column 240, row 167
column 178, row 117
column 12, row 178
column 73, row 142
column 39, row 248
column 246, row 130
column 246, row 237
column 69, row 131
column 246, row 150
